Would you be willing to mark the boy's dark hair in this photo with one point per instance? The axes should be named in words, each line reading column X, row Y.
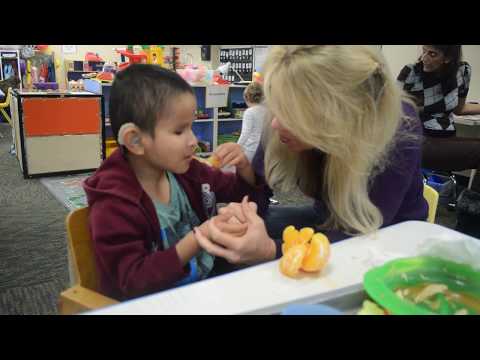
column 140, row 93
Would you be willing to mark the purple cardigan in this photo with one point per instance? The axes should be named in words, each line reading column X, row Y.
column 397, row 191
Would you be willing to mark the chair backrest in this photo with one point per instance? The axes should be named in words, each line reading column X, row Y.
column 431, row 195
column 81, row 248
column 6, row 103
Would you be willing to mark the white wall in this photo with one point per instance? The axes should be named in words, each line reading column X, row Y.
column 398, row 56
column 471, row 54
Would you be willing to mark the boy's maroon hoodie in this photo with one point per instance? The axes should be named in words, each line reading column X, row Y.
column 124, row 224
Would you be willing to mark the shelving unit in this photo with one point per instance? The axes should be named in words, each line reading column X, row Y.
column 10, row 65
column 208, row 130
column 229, row 119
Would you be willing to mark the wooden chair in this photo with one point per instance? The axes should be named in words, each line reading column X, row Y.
column 83, row 296
column 431, row 195
column 6, row 104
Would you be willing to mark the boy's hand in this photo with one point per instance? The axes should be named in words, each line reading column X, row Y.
column 227, row 223
column 231, row 154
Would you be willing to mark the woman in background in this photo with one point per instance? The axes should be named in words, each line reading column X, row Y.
column 253, row 119
column 439, row 82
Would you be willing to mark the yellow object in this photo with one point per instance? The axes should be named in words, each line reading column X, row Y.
column 214, row 161
column 84, row 295
column 303, row 250
column 110, row 147
column 431, row 195
column 29, row 73
column 6, row 104
column 290, row 238
column 317, row 255
column 155, row 55
column 305, row 235
column 291, row 262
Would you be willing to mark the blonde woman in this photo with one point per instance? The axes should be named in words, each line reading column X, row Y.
column 253, row 119
column 344, row 133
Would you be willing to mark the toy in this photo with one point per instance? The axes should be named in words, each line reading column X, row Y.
column 133, row 58
column 105, row 76
column 109, row 67
column 29, row 73
column 257, row 77
column 154, row 54
column 34, row 73
column 303, row 250
column 76, row 85
column 196, row 74
column 42, row 48
column 90, row 56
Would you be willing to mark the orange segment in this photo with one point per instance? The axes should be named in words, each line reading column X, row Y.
column 317, row 255
column 305, row 235
column 290, row 238
column 214, row 161
column 291, row 262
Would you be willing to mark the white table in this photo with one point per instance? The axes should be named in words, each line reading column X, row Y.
column 468, row 120
column 262, row 289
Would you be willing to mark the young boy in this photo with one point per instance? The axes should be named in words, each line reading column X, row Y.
column 148, row 196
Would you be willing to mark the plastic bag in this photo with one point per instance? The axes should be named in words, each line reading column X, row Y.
column 459, row 249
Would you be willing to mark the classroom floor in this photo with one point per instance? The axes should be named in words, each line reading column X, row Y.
column 33, row 249
column 33, row 252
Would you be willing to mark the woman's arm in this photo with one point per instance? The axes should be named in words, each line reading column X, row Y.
column 466, row 109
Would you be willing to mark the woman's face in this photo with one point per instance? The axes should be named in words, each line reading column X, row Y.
column 433, row 59
column 288, row 139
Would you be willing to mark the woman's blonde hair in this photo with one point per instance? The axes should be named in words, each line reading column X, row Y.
column 254, row 93
column 343, row 101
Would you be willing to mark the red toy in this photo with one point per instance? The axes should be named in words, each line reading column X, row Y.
column 90, row 56
column 133, row 58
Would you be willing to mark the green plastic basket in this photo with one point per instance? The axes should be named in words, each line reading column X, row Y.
column 381, row 283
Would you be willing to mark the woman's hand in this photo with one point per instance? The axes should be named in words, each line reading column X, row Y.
column 225, row 223
column 235, row 211
column 254, row 246
column 232, row 154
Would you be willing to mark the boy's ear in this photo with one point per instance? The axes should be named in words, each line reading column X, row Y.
column 132, row 139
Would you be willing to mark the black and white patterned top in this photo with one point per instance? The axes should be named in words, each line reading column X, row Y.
column 436, row 97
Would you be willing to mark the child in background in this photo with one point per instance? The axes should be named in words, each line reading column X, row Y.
column 147, row 198
column 253, row 119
